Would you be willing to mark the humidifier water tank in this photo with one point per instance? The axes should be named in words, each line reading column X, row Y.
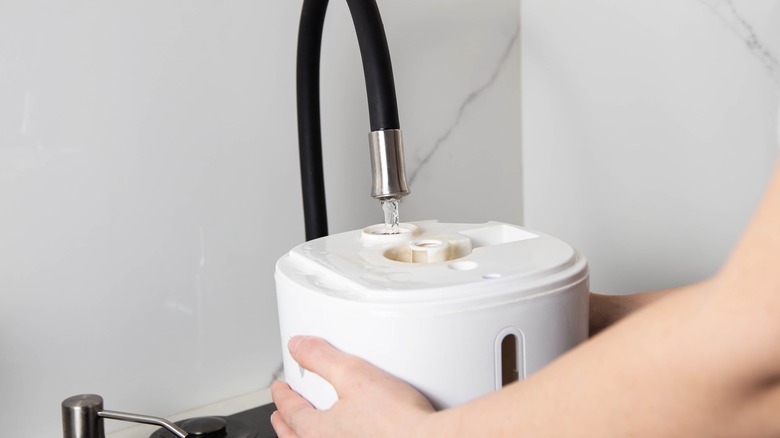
column 456, row 310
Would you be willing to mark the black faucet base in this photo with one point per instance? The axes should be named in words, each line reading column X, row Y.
column 252, row 423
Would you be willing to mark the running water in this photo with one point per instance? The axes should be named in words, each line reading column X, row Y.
column 390, row 208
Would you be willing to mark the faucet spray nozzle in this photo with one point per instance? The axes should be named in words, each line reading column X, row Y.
column 387, row 165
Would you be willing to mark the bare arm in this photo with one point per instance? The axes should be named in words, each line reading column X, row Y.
column 606, row 310
column 703, row 361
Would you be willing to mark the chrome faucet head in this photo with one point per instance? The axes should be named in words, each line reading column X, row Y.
column 387, row 165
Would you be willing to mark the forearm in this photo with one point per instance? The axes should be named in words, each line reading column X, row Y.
column 597, row 389
column 703, row 361
column 756, row 260
column 606, row 310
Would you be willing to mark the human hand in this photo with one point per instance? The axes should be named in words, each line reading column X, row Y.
column 371, row 402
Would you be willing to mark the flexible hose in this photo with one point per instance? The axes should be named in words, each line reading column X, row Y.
column 377, row 68
column 380, row 88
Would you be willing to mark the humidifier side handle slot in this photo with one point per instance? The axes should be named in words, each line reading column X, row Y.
column 509, row 348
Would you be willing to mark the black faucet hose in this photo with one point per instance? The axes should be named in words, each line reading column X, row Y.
column 380, row 87
column 377, row 68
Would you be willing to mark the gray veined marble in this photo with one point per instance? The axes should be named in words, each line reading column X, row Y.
column 467, row 101
column 648, row 152
column 733, row 18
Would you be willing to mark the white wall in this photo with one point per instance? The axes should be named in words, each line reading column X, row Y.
column 650, row 128
column 148, row 181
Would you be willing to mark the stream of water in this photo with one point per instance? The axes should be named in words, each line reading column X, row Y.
column 390, row 208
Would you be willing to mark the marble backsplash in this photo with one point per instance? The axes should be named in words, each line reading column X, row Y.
column 149, row 181
column 650, row 129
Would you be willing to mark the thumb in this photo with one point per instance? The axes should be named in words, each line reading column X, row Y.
column 318, row 356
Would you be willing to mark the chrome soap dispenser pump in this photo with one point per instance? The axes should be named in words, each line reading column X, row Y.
column 385, row 140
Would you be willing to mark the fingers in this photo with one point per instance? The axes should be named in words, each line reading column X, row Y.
column 370, row 401
column 280, row 427
column 294, row 412
column 318, row 356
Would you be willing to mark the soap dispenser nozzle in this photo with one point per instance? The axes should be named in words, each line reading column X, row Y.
column 82, row 417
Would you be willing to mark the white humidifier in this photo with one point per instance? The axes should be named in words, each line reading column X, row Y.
column 456, row 310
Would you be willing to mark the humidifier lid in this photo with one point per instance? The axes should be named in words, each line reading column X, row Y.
column 431, row 261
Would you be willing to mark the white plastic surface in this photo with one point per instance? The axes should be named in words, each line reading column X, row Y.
column 435, row 325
